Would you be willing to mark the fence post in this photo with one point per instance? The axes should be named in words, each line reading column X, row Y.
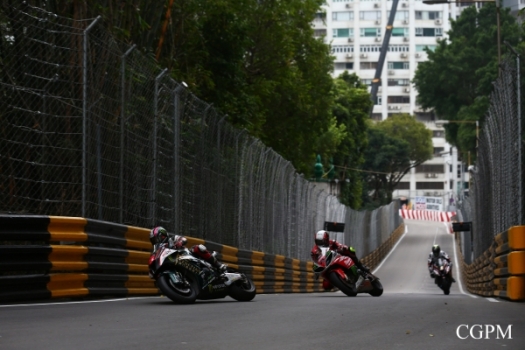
column 518, row 97
column 176, row 157
column 122, row 122
column 153, row 207
column 84, row 115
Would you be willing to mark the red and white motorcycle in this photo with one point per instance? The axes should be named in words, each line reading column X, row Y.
column 340, row 271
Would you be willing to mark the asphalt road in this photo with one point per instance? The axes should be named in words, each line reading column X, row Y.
column 411, row 314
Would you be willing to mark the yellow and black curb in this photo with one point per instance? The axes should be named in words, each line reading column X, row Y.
column 500, row 270
column 45, row 257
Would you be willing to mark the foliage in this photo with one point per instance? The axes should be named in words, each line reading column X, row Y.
column 396, row 145
column 351, row 105
column 457, row 78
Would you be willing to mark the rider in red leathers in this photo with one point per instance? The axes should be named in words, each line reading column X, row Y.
column 322, row 239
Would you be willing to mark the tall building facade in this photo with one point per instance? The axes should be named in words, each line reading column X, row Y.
column 355, row 29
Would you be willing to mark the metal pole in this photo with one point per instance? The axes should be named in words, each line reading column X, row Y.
column 176, row 159
column 122, row 122
column 84, row 116
column 499, row 36
column 155, row 121
column 518, row 119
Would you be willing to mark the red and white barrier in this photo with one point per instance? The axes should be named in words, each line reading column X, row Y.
column 429, row 215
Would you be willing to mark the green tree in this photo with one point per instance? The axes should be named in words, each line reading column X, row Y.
column 351, row 105
column 397, row 144
column 457, row 78
column 384, row 158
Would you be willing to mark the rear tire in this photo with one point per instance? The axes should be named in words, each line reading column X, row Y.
column 179, row 294
column 345, row 287
column 378, row 288
column 243, row 290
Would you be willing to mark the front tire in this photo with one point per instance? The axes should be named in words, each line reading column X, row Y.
column 345, row 287
column 180, row 294
column 243, row 290
column 378, row 288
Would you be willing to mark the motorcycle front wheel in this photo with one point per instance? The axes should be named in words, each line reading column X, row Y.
column 345, row 287
column 378, row 288
column 180, row 293
column 243, row 290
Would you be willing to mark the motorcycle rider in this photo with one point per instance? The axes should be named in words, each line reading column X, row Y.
column 434, row 255
column 159, row 236
column 322, row 239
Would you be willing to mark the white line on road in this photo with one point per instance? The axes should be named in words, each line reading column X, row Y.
column 391, row 250
column 78, row 302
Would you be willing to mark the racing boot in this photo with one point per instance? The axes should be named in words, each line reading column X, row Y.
column 219, row 267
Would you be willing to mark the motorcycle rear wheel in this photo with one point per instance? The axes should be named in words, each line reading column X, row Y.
column 180, row 295
column 243, row 290
column 345, row 287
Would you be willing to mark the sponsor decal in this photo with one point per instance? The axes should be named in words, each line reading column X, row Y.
column 213, row 288
column 188, row 266
column 483, row 331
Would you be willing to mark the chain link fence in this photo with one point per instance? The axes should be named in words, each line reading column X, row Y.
column 496, row 198
column 93, row 128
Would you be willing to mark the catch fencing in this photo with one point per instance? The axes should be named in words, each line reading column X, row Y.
column 93, row 128
column 495, row 202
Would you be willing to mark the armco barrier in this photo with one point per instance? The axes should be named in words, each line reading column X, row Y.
column 45, row 257
column 500, row 270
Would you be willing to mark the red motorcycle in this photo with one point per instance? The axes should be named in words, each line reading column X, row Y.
column 442, row 273
column 339, row 271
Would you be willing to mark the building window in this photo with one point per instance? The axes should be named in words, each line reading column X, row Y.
column 343, row 33
column 342, row 49
column 431, row 168
column 367, row 82
column 429, row 31
column 398, row 65
column 400, row 32
column 343, row 16
column 425, row 116
column 379, row 100
column 369, row 48
column 403, row 186
column 429, row 185
column 438, row 150
column 438, row 133
column 398, row 82
column 370, row 15
column 398, row 48
column 320, row 16
column 421, row 48
column 400, row 15
column 370, row 32
column 429, row 14
column 319, row 32
column 344, row 65
column 398, row 99
column 367, row 65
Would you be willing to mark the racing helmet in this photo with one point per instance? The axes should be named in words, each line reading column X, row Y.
column 322, row 238
column 158, row 235
column 436, row 250
column 179, row 241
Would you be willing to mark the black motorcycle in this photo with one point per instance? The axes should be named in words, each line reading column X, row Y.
column 442, row 273
column 183, row 278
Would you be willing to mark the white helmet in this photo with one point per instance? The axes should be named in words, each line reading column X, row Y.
column 322, row 238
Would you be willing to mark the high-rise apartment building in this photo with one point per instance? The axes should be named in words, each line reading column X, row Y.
column 355, row 29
